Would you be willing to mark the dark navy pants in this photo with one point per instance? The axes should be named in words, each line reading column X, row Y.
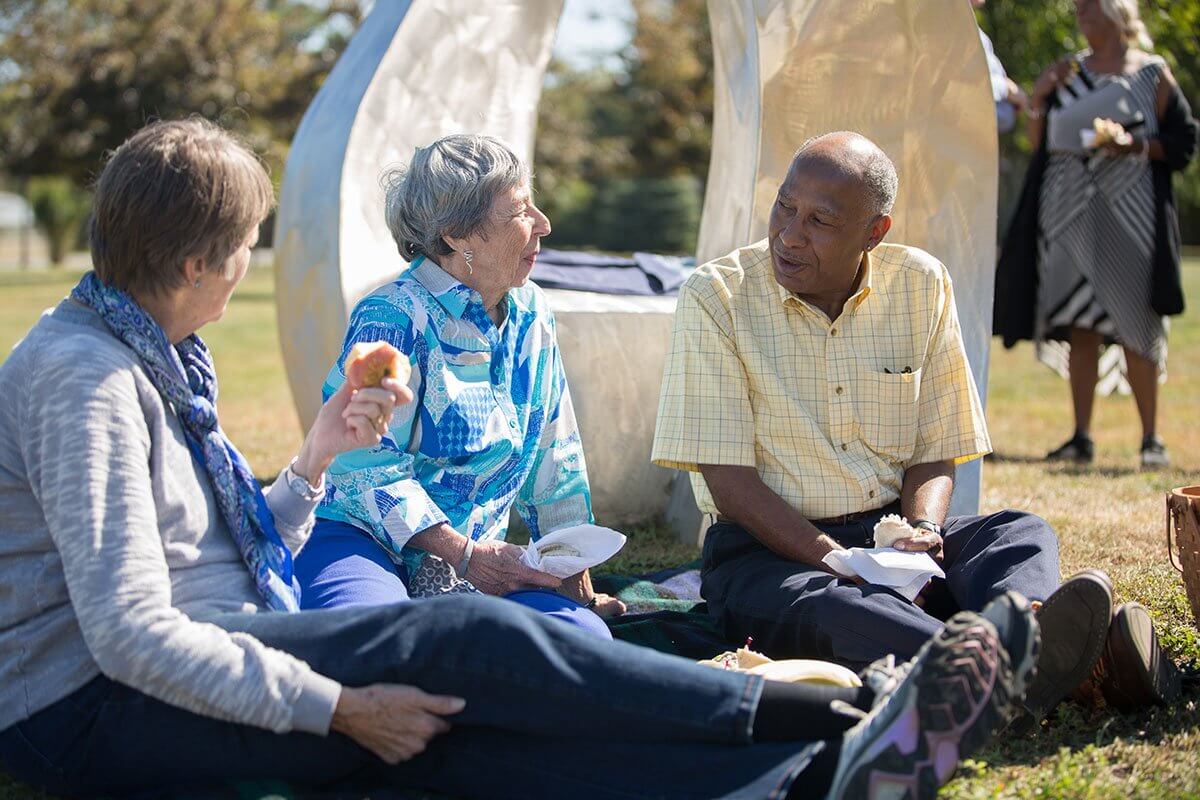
column 552, row 711
column 793, row 610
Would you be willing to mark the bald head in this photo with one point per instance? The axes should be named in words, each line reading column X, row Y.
column 855, row 158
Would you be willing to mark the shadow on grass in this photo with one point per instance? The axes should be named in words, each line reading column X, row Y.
column 1084, row 470
column 1075, row 727
column 1064, row 468
column 1006, row 458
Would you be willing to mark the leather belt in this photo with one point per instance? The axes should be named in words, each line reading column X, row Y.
column 844, row 519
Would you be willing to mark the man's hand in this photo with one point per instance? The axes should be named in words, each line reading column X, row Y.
column 924, row 541
column 496, row 569
column 392, row 721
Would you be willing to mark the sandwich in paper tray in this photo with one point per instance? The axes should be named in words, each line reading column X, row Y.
column 569, row 551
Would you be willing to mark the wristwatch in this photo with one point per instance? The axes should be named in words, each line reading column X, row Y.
column 301, row 487
column 932, row 527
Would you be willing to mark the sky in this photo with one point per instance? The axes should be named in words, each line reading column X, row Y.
column 592, row 32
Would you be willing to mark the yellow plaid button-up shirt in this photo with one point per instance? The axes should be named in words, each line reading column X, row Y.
column 830, row 413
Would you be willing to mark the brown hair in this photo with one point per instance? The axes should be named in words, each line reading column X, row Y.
column 173, row 191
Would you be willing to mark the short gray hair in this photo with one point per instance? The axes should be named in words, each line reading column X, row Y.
column 447, row 190
column 878, row 172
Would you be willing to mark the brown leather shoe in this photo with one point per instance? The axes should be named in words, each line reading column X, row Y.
column 1075, row 623
column 1133, row 671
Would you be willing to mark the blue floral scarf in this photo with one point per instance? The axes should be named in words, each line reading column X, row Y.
column 185, row 378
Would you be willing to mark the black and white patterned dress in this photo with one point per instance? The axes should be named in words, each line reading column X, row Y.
column 1096, row 248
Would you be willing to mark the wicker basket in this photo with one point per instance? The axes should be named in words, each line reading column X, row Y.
column 1183, row 540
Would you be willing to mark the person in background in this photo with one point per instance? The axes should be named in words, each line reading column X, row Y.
column 1091, row 262
column 1010, row 99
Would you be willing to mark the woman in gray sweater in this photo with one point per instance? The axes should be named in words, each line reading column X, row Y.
column 150, row 636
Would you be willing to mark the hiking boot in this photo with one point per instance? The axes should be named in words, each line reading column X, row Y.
column 1020, row 633
column 1154, row 453
column 883, row 675
column 1074, row 624
column 1079, row 448
column 1134, row 672
column 944, row 707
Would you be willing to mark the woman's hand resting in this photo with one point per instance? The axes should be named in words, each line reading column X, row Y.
column 392, row 721
column 349, row 420
column 496, row 569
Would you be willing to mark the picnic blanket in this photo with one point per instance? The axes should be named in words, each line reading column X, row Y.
column 666, row 612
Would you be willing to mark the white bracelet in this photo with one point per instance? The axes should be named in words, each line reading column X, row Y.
column 461, row 569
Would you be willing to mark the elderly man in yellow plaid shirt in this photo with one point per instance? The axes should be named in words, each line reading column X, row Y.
column 817, row 381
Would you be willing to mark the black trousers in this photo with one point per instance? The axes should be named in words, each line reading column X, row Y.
column 792, row 610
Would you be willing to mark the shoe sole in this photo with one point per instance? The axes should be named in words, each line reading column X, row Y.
column 1072, row 639
column 962, row 693
column 1140, row 673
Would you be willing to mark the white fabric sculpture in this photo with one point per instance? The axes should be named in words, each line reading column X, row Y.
column 910, row 74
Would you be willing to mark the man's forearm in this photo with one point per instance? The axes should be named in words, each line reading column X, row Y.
column 741, row 496
column 925, row 493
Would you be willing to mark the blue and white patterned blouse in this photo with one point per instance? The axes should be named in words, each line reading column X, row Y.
column 491, row 426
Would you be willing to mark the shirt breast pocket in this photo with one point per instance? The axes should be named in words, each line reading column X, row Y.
column 886, row 404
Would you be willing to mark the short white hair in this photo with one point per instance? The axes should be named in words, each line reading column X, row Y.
column 448, row 190
column 1125, row 13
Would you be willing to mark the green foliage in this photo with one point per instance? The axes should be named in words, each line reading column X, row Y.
column 59, row 209
column 78, row 76
column 649, row 214
column 640, row 138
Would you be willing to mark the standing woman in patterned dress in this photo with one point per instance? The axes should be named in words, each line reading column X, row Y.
column 1102, row 230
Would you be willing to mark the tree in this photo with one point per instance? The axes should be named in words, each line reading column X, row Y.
column 78, row 76
column 669, row 89
column 608, row 142
column 60, row 209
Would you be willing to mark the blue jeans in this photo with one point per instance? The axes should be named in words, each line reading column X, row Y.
column 793, row 610
column 551, row 712
column 342, row 567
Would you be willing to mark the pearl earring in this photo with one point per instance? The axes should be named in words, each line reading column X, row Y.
column 197, row 283
column 468, row 255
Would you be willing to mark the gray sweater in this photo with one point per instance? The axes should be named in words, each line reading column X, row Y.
column 113, row 550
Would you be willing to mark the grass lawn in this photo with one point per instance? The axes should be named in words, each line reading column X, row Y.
column 1109, row 515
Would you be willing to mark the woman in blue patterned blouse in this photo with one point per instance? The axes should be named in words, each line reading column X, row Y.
column 492, row 428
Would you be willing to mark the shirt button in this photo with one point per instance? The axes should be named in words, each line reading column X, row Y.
column 838, row 390
column 833, row 331
column 843, row 447
column 871, row 493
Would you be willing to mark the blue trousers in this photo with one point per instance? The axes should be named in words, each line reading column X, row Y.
column 342, row 567
column 551, row 712
column 793, row 610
